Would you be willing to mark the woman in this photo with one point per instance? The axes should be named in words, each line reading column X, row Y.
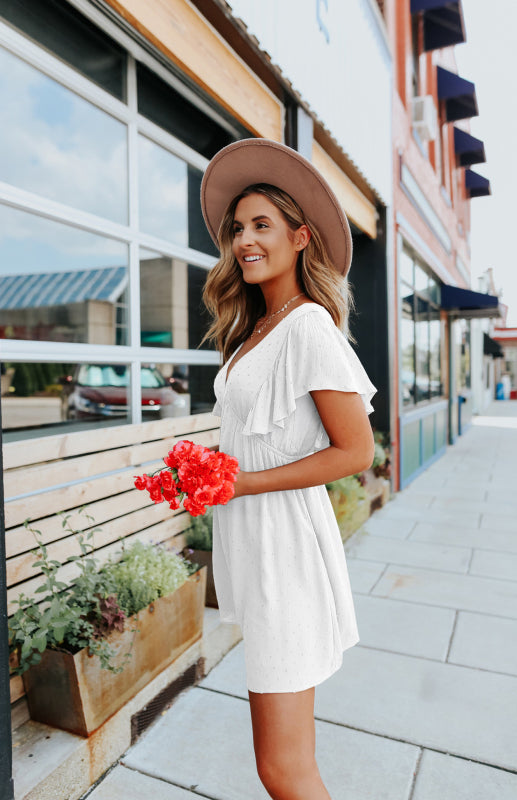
column 294, row 401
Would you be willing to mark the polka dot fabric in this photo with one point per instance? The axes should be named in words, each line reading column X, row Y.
column 279, row 565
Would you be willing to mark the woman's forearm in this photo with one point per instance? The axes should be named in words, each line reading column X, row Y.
column 319, row 468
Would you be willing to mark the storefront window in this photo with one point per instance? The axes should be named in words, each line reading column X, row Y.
column 61, row 29
column 58, row 145
column 407, row 336
column 45, row 399
column 434, row 354
column 162, row 192
column 74, row 261
column 59, row 283
column 420, row 333
column 463, row 365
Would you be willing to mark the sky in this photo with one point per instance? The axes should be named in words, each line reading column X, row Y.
column 489, row 59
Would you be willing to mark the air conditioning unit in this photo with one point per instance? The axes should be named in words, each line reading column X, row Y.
column 425, row 121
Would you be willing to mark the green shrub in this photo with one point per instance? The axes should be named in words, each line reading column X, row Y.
column 144, row 573
column 71, row 617
column 199, row 536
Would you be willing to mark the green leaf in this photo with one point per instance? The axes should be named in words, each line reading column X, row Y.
column 59, row 633
column 40, row 643
column 26, row 646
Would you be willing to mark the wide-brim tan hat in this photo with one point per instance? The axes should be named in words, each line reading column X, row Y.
column 249, row 161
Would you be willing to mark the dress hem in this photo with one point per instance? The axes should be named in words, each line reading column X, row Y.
column 313, row 682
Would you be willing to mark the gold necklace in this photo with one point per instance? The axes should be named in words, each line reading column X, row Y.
column 256, row 331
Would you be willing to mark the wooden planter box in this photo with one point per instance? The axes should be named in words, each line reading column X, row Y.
column 73, row 692
column 204, row 559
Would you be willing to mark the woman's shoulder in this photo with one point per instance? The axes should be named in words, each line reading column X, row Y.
column 313, row 317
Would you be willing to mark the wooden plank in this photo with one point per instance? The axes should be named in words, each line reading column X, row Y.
column 178, row 29
column 170, row 532
column 20, row 567
column 65, row 471
column 21, row 540
column 16, row 688
column 64, row 445
column 355, row 205
column 42, row 505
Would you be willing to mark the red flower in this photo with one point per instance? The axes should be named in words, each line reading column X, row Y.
column 196, row 474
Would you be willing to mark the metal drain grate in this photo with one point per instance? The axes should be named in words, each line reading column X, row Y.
column 143, row 718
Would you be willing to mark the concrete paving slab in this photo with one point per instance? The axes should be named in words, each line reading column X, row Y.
column 449, row 590
column 473, row 504
column 229, row 675
column 40, row 751
column 453, row 709
column 413, row 499
column 410, row 628
column 501, row 496
column 411, row 553
column 126, row 784
column 464, row 481
column 444, row 777
column 363, row 574
column 463, row 537
column 451, row 517
column 499, row 522
column 462, row 492
column 485, row 642
column 494, row 565
column 394, row 528
column 188, row 746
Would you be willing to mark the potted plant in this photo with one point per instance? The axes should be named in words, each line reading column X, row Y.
column 199, row 549
column 350, row 503
column 86, row 648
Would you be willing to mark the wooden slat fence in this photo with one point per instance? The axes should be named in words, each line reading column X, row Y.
column 94, row 468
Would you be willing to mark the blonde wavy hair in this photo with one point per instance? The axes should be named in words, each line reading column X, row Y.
column 236, row 306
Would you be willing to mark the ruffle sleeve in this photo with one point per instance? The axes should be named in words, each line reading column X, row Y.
column 314, row 355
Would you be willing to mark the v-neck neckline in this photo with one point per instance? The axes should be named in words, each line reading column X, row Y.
column 230, row 360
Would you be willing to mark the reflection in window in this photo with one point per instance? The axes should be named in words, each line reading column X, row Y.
column 462, row 354
column 422, row 349
column 166, row 107
column 60, row 284
column 50, row 398
column 420, row 331
column 407, row 336
column 435, row 372
column 406, row 268
column 69, row 35
column 172, row 312
column 162, row 192
column 54, row 143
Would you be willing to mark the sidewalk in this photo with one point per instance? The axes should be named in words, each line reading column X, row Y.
column 425, row 706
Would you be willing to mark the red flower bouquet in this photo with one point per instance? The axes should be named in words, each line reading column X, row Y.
column 195, row 475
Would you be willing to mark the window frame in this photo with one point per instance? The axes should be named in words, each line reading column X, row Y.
column 132, row 354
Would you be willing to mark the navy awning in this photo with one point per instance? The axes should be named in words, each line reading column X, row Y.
column 443, row 22
column 468, row 304
column 468, row 149
column 491, row 347
column 459, row 95
column 475, row 184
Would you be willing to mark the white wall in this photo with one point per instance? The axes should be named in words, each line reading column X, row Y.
column 346, row 80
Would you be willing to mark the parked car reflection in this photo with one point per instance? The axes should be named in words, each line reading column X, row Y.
column 100, row 390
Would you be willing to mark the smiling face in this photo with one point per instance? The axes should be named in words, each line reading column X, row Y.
column 264, row 245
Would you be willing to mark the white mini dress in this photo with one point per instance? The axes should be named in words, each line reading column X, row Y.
column 279, row 565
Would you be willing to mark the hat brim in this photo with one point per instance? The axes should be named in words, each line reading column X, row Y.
column 249, row 161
